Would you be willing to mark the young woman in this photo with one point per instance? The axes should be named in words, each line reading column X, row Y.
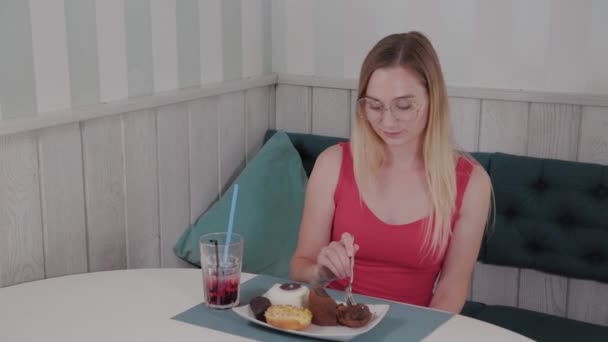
column 415, row 207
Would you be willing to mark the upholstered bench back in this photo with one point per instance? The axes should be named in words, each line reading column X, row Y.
column 551, row 215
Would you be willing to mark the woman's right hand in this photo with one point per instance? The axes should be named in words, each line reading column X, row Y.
column 335, row 258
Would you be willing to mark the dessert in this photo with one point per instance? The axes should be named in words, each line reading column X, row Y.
column 353, row 316
column 323, row 307
column 258, row 306
column 288, row 294
column 288, row 317
column 294, row 307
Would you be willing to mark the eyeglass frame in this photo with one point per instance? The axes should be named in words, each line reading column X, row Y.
column 390, row 108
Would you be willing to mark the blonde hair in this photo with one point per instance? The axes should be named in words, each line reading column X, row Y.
column 413, row 51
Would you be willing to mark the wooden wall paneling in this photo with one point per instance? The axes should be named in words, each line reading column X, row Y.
column 272, row 107
column 141, row 177
column 543, row 292
column 294, row 112
column 62, row 200
column 173, row 176
column 593, row 146
column 588, row 301
column 257, row 115
column 104, row 193
column 470, row 292
column 232, row 137
column 466, row 115
column 21, row 245
column 330, row 109
column 553, row 131
column 495, row 284
column 504, row 127
column 204, row 154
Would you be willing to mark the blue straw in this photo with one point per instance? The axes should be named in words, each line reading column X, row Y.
column 235, row 195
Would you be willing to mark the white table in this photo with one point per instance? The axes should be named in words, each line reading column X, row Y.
column 137, row 305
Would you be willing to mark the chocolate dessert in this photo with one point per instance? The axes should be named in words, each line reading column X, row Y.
column 354, row 316
column 323, row 307
column 258, row 306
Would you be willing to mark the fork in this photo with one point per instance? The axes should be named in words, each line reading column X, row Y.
column 348, row 293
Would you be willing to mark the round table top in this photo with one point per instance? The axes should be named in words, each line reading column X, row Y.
column 137, row 305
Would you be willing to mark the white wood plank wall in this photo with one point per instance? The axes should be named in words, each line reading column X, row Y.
column 116, row 192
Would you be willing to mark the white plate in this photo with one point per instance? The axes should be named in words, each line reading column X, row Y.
column 335, row 333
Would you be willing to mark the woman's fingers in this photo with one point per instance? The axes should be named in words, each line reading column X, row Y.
column 324, row 274
column 328, row 265
column 335, row 254
column 338, row 257
column 348, row 240
column 325, row 260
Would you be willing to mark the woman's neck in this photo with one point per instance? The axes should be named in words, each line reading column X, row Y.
column 405, row 157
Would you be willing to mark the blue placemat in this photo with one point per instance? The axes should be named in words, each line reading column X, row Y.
column 401, row 323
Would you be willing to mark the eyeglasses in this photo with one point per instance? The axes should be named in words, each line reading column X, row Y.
column 402, row 109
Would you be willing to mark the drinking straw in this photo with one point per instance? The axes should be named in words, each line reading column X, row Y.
column 217, row 272
column 235, row 195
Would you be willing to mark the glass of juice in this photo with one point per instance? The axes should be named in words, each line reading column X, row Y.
column 221, row 264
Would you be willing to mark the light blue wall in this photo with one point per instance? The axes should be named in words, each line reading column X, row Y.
column 20, row 58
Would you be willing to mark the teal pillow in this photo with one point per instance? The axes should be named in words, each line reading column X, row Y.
column 268, row 211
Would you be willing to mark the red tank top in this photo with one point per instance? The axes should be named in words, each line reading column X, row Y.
column 389, row 262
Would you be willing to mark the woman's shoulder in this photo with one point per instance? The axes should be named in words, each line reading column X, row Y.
column 325, row 174
column 329, row 161
column 467, row 163
column 478, row 180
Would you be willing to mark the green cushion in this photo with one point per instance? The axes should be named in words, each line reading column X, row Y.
column 472, row 309
column 542, row 327
column 551, row 215
column 309, row 146
column 268, row 212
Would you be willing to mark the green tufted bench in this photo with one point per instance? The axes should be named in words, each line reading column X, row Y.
column 551, row 216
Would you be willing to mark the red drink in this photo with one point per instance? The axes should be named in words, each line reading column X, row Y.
column 222, row 293
column 221, row 269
